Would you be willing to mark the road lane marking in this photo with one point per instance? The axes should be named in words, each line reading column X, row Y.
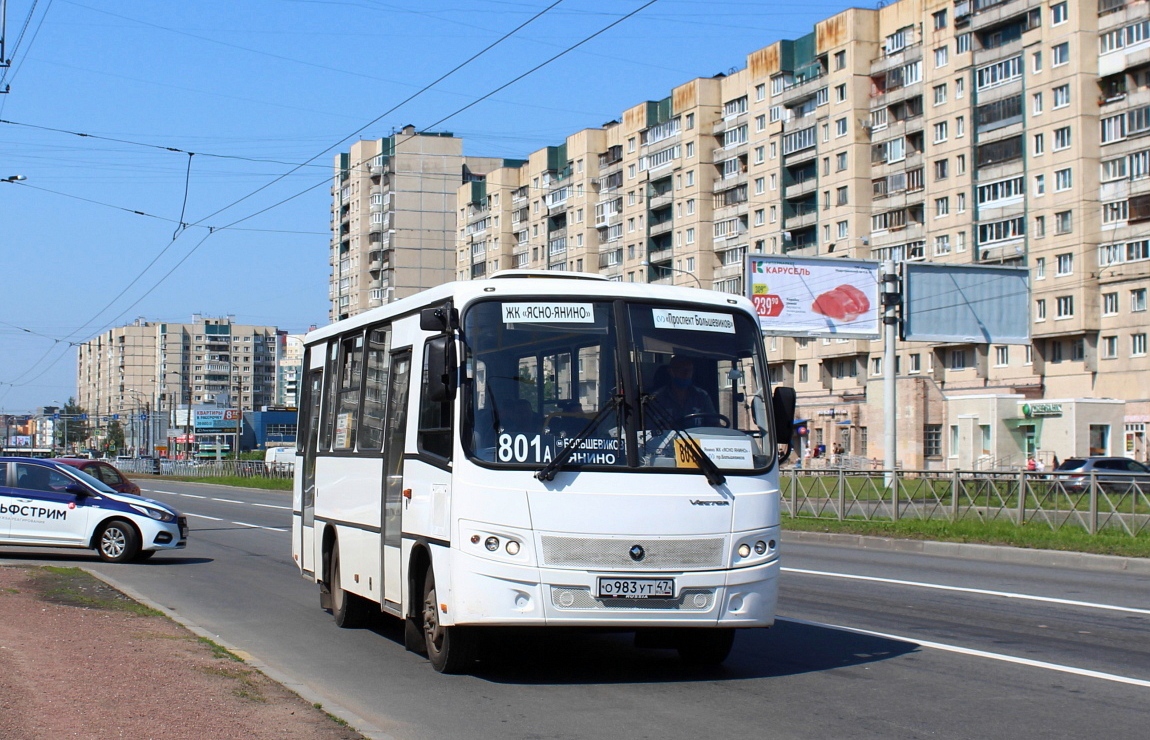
column 257, row 526
column 190, row 495
column 273, row 506
column 981, row 591
column 981, row 653
column 228, row 501
column 202, row 516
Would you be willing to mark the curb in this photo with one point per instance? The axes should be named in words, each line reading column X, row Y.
column 988, row 553
column 303, row 690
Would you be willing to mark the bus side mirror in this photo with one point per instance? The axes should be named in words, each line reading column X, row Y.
column 439, row 318
column 784, row 402
column 440, row 367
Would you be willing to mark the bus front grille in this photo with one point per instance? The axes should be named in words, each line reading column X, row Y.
column 696, row 553
column 574, row 597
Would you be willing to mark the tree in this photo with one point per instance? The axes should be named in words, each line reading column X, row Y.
column 114, row 442
column 76, row 429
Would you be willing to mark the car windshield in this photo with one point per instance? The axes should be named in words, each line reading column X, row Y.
column 544, row 376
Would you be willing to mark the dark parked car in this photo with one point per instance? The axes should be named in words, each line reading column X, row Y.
column 1113, row 473
column 104, row 472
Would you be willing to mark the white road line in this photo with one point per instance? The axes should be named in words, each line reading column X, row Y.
column 273, row 506
column 201, row 516
column 982, row 654
column 190, row 495
column 981, row 591
column 170, row 493
column 257, row 526
column 227, row 501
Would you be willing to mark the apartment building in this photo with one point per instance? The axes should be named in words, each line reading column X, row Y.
column 987, row 132
column 393, row 217
column 149, row 369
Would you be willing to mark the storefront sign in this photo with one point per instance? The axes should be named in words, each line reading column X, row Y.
column 1037, row 410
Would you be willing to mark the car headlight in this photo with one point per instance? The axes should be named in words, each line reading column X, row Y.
column 161, row 515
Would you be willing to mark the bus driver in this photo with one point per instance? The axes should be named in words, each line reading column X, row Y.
column 680, row 397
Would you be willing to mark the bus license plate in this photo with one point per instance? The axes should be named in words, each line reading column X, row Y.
column 636, row 588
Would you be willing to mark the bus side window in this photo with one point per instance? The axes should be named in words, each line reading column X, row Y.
column 377, row 367
column 350, row 380
column 330, row 388
column 435, row 421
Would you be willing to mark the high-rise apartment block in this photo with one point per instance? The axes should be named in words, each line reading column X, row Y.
column 393, row 217
column 992, row 132
column 152, row 368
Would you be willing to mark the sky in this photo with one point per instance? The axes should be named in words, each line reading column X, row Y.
column 107, row 100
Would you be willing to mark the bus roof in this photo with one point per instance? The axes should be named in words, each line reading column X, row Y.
column 517, row 283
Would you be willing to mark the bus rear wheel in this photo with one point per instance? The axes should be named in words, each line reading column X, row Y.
column 705, row 648
column 449, row 649
column 349, row 610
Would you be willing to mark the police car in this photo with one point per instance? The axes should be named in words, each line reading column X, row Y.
column 47, row 504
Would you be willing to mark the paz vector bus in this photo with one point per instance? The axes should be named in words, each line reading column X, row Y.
column 543, row 450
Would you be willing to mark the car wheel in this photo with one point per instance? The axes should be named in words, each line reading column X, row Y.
column 117, row 542
column 449, row 649
column 349, row 610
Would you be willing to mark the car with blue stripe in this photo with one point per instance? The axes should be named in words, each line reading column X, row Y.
column 44, row 503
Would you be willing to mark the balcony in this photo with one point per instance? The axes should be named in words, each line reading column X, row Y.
column 800, row 215
column 800, row 188
column 218, row 367
column 662, row 227
column 658, row 200
column 659, row 255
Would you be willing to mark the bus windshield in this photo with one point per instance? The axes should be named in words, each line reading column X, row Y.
column 545, row 377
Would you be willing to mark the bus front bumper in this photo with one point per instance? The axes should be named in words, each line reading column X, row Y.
column 493, row 593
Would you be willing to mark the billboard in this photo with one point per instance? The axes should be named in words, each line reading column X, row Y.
column 207, row 420
column 809, row 296
column 977, row 304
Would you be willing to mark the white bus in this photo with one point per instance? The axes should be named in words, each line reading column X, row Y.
column 539, row 451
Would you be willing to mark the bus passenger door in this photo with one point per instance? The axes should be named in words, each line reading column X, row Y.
column 398, row 385
column 314, row 390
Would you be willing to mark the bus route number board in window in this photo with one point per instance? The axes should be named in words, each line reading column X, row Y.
column 636, row 588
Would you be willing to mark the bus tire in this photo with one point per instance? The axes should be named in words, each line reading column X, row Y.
column 349, row 610
column 705, row 648
column 449, row 649
column 117, row 542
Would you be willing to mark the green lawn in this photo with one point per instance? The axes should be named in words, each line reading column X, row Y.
column 269, row 484
column 1037, row 536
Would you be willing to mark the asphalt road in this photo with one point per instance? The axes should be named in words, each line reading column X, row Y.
column 869, row 644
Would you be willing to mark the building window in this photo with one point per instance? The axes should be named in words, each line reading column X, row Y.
column 844, row 229
column 1138, row 299
column 1039, row 145
column 942, row 245
column 1037, row 107
column 1058, row 14
column 941, row 56
column 1040, row 268
column 1062, row 180
column 941, row 207
column 940, row 94
column 932, row 440
column 840, row 60
column 1064, row 307
column 1061, row 138
column 840, row 93
column 940, row 19
column 1062, row 96
column 760, row 92
column 941, row 169
column 940, row 131
column 1109, row 348
column 841, row 127
column 1040, row 309
column 841, row 196
column 1060, row 54
column 1065, row 264
column 1109, row 304
column 1063, row 222
column 1138, row 345
column 840, row 161
column 1039, row 227
column 1001, row 356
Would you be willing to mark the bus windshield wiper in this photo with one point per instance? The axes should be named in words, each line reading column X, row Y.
column 714, row 476
column 547, row 472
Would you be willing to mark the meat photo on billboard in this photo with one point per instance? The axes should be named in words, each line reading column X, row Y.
column 844, row 303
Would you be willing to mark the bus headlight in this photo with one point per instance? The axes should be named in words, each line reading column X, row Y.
column 512, row 547
column 491, row 543
column 753, row 549
column 744, row 550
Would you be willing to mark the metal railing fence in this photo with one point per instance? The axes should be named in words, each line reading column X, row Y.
column 1093, row 503
column 207, row 468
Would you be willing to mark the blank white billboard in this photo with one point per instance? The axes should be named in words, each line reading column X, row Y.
column 807, row 296
column 976, row 304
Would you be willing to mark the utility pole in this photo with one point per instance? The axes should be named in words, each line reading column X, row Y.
column 891, row 299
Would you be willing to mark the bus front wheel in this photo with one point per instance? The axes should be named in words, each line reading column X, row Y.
column 705, row 648
column 449, row 649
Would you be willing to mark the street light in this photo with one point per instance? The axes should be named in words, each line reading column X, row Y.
column 692, row 275
column 15, row 178
column 147, row 417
